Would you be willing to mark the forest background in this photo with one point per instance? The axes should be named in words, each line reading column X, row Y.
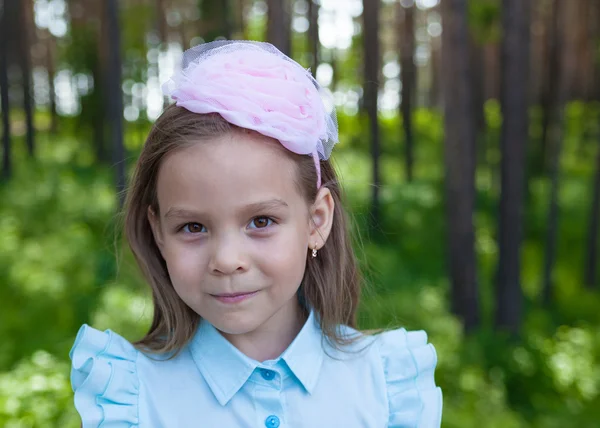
column 470, row 156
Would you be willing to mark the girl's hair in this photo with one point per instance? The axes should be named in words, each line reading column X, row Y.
column 331, row 283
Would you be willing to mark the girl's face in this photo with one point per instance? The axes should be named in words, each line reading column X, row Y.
column 235, row 231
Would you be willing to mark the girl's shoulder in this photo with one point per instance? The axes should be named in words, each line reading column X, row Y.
column 409, row 363
column 104, row 377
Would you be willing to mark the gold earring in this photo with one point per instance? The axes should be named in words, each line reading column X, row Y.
column 314, row 251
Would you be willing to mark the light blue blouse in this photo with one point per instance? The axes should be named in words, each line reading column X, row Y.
column 382, row 380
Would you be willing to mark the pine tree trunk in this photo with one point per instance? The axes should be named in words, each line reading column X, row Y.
column 514, row 101
column 51, row 68
column 371, row 76
column 459, row 162
column 24, row 53
column 406, row 42
column 240, row 19
column 279, row 25
column 313, row 34
column 592, row 253
column 593, row 235
column 477, row 73
column 100, row 71
column 434, row 97
column 4, row 101
column 553, row 79
column 115, row 96
column 554, row 114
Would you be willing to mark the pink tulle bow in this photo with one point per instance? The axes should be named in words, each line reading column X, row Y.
column 257, row 90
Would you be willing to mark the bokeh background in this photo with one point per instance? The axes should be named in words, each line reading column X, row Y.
column 470, row 155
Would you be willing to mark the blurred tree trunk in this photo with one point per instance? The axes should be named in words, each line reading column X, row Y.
column 216, row 19
column 161, row 23
column 51, row 68
column 592, row 252
column 514, row 102
column 24, row 50
column 100, row 70
column 539, row 47
column 491, row 59
column 279, row 25
column 459, row 161
column 594, row 88
column 478, row 72
column 185, row 40
column 593, row 235
column 371, row 86
column 241, row 20
column 115, row 96
column 554, row 121
column 162, row 32
column 335, row 69
column 552, row 78
column 434, row 98
column 408, row 73
column 313, row 34
column 586, row 49
column 4, row 100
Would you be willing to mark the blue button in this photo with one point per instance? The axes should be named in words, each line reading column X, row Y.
column 267, row 375
column 272, row 422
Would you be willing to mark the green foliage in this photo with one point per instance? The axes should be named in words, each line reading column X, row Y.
column 485, row 20
column 60, row 267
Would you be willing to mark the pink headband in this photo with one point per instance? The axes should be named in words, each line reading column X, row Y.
column 255, row 86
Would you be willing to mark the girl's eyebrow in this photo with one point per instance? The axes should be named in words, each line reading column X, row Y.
column 176, row 212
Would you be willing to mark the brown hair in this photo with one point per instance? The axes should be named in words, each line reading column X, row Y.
column 331, row 283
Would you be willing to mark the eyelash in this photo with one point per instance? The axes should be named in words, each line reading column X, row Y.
column 272, row 220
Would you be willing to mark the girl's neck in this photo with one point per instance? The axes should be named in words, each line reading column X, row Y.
column 273, row 337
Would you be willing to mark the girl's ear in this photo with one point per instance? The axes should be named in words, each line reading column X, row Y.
column 321, row 216
column 156, row 229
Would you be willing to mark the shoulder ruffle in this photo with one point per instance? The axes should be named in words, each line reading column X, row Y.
column 104, row 379
column 409, row 364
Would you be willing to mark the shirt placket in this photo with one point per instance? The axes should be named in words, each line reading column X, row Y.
column 267, row 395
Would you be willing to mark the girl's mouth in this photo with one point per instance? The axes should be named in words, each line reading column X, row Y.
column 233, row 297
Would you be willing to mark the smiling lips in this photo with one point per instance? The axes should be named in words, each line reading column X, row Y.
column 233, row 297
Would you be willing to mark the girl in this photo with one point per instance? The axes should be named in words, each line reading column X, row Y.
column 235, row 217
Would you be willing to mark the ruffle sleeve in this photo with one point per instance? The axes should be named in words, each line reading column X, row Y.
column 409, row 364
column 104, row 379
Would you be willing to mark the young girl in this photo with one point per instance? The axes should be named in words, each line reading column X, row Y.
column 235, row 217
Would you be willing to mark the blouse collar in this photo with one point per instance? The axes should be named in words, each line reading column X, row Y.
column 226, row 369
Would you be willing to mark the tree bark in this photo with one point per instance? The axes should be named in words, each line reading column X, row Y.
column 313, row 34
column 408, row 72
column 478, row 72
column 279, row 25
column 554, row 116
column 371, row 76
column 51, row 68
column 553, row 79
column 100, row 74
column 591, row 262
column 115, row 96
column 241, row 20
column 434, row 98
column 4, row 100
column 593, row 236
column 514, row 102
column 459, row 162
column 25, row 62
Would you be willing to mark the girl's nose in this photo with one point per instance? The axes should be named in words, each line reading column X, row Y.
column 227, row 256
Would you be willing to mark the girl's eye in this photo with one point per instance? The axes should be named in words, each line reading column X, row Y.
column 192, row 228
column 261, row 222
